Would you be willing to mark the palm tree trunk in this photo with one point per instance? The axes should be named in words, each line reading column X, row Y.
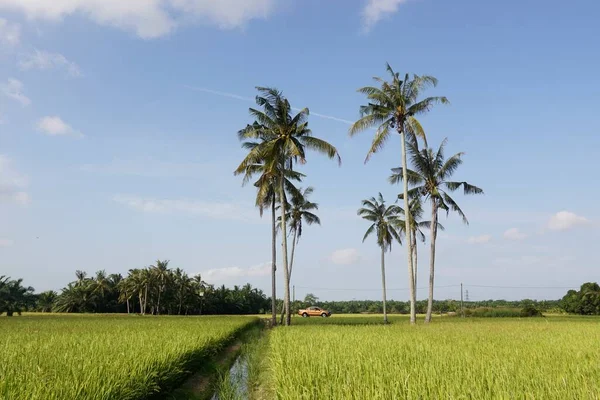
column 385, row 318
column 286, row 278
column 414, row 250
column 434, row 218
column 291, row 266
column 140, row 297
column 127, row 303
column 145, row 300
column 411, row 278
column 273, row 264
column 158, row 303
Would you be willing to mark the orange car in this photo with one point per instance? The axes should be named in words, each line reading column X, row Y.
column 314, row 312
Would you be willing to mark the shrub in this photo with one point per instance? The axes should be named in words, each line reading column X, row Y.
column 530, row 311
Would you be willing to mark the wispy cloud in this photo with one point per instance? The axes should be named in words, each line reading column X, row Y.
column 345, row 256
column 234, row 273
column 10, row 33
column 515, row 234
column 220, row 210
column 244, row 98
column 55, row 126
column 12, row 184
column 43, row 60
column 479, row 239
column 148, row 18
column 565, row 220
column 13, row 89
column 376, row 10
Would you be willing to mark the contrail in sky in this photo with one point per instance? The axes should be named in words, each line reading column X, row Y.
column 238, row 97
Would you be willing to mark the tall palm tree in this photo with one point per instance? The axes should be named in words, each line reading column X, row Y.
column 394, row 106
column 283, row 140
column 431, row 176
column 384, row 220
column 161, row 275
column 300, row 209
column 267, row 196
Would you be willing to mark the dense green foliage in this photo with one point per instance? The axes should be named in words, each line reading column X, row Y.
column 14, row 297
column 585, row 301
column 154, row 290
column 455, row 358
column 439, row 306
column 105, row 357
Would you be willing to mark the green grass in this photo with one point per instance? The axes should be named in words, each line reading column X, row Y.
column 106, row 357
column 453, row 358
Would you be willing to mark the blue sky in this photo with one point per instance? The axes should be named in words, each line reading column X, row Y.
column 118, row 122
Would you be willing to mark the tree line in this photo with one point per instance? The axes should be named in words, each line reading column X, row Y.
column 107, row 294
column 154, row 290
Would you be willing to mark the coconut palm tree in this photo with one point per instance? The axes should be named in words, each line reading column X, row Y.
column 430, row 177
column 267, row 196
column 384, row 220
column 395, row 105
column 300, row 209
column 283, row 139
column 161, row 276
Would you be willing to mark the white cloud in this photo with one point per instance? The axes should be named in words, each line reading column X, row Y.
column 10, row 33
column 12, row 184
column 226, row 211
column 376, row 10
column 514, row 234
column 44, row 60
column 147, row 18
column 566, row 220
column 55, row 126
column 479, row 239
column 344, row 256
column 6, row 243
column 232, row 273
column 14, row 89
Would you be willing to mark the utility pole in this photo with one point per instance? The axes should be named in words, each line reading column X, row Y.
column 467, row 295
column 462, row 311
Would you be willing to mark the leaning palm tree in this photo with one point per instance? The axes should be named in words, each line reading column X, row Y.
column 431, row 179
column 267, row 197
column 384, row 220
column 394, row 106
column 283, row 139
column 300, row 210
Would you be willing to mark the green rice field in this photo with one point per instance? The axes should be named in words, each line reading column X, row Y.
column 454, row 358
column 105, row 357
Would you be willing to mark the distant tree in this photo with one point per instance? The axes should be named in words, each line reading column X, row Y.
column 14, row 297
column 301, row 210
column 310, row 298
column 585, row 301
column 384, row 220
column 45, row 301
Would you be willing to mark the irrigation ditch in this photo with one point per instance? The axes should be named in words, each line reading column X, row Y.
column 232, row 373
